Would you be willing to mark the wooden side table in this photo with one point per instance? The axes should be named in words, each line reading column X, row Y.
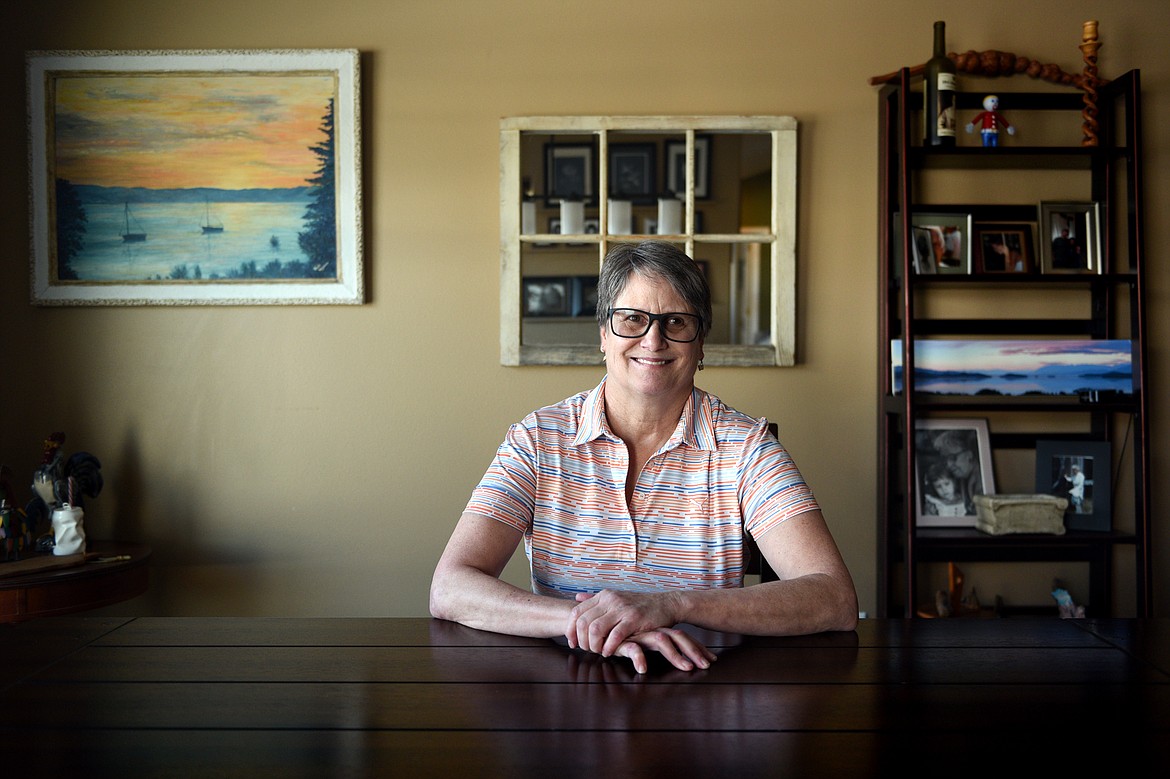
column 109, row 572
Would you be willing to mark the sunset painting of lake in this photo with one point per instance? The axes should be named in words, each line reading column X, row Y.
column 194, row 171
column 1018, row 367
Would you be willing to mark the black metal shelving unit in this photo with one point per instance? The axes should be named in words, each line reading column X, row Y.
column 1114, row 308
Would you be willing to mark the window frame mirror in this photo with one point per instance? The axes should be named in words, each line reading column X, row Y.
column 774, row 244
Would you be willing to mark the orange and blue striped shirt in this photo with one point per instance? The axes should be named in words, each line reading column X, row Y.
column 559, row 478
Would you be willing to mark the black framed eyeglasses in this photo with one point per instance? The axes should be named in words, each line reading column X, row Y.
column 635, row 323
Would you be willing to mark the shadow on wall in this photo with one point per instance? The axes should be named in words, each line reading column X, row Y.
column 188, row 576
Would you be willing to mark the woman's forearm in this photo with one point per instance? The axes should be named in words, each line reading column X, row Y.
column 476, row 599
column 808, row 604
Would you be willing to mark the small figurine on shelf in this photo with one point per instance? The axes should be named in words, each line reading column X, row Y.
column 989, row 121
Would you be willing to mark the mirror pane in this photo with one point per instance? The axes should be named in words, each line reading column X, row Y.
column 594, row 181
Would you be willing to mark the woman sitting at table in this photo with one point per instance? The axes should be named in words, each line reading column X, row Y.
column 633, row 498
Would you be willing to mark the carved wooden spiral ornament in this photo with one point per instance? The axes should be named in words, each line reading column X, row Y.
column 1089, row 82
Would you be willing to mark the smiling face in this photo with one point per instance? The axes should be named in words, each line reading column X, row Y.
column 650, row 367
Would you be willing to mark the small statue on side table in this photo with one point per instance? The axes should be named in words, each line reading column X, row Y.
column 59, row 484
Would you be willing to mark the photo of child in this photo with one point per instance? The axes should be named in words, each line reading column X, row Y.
column 940, row 493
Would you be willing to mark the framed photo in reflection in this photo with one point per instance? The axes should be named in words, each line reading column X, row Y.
column 632, row 172
column 676, row 167
column 548, row 296
column 569, row 172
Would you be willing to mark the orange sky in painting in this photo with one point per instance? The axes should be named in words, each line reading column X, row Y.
column 167, row 130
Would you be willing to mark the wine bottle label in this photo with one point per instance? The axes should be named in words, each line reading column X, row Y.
column 945, row 121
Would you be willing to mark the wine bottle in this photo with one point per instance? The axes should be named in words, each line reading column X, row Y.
column 939, row 87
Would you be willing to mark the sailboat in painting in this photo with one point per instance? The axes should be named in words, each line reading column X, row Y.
column 129, row 237
column 208, row 226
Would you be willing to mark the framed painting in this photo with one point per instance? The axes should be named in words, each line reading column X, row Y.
column 195, row 177
column 1070, row 241
column 1078, row 471
column 952, row 459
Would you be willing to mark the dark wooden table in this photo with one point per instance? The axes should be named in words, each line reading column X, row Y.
column 417, row 697
column 112, row 572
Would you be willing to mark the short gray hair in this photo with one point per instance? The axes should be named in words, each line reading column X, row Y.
column 659, row 260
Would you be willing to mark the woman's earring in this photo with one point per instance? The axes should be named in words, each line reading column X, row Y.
column 700, row 365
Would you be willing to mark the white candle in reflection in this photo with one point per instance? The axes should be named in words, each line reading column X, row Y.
column 527, row 217
column 619, row 217
column 669, row 216
column 572, row 217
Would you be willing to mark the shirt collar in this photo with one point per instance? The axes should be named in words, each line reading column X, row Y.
column 696, row 425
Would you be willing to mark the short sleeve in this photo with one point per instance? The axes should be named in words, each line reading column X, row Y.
column 772, row 489
column 507, row 492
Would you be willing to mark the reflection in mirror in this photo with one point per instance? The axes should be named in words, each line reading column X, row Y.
column 573, row 186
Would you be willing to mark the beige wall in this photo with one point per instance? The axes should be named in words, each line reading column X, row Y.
column 305, row 461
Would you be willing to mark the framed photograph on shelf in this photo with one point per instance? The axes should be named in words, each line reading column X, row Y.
column 585, row 296
column 952, row 460
column 1070, row 238
column 1080, row 472
column 195, row 177
column 1004, row 247
column 676, row 167
column 569, row 172
column 949, row 239
column 548, row 296
column 632, row 172
column 922, row 245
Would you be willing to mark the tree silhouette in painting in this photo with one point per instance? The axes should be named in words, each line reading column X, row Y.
column 319, row 238
column 71, row 227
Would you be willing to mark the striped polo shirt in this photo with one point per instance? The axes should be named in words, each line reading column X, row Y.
column 559, row 478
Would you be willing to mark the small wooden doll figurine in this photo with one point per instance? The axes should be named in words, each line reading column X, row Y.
column 989, row 121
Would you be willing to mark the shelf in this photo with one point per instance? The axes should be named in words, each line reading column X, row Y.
column 1071, row 280
column 926, row 327
column 1091, row 306
column 929, row 402
column 942, row 544
column 1003, row 158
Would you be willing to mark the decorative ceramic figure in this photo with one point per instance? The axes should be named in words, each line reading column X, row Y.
column 989, row 121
